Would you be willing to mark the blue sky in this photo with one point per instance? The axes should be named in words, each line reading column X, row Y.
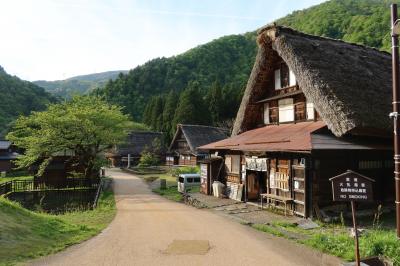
column 57, row 39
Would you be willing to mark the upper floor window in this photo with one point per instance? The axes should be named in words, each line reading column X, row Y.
column 266, row 113
column 286, row 110
column 284, row 77
column 310, row 110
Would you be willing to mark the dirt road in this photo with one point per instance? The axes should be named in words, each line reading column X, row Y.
column 146, row 224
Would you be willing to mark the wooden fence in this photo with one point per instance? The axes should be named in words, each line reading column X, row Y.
column 41, row 185
column 67, row 195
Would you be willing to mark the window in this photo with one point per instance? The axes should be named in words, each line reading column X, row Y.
column 236, row 164
column 228, row 163
column 310, row 110
column 286, row 110
column 181, row 180
column 266, row 113
column 277, row 75
column 284, row 77
column 232, row 163
column 197, row 179
column 369, row 164
column 182, row 157
column 189, row 180
column 292, row 78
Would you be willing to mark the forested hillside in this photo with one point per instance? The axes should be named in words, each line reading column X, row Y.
column 19, row 97
column 221, row 66
column 215, row 73
column 79, row 84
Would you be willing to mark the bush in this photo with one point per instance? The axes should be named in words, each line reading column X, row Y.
column 148, row 159
column 176, row 171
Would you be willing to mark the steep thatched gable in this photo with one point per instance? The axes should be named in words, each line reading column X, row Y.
column 349, row 84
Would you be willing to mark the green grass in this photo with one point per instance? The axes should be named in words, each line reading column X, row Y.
column 170, row 193
column 24, row 177
column 334, row 239
column 26, row 235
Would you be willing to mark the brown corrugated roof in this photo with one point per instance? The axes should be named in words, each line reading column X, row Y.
column 283, row 137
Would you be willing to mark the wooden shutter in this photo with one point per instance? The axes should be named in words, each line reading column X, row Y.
column 277, row 75
column 266, row 113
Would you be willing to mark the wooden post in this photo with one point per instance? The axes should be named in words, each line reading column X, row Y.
column 396, row 110
column 357, row 249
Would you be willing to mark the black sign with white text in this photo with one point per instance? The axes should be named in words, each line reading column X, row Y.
column 352, row 186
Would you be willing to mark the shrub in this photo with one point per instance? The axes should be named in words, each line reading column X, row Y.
column 148, row 159
column 176, row 171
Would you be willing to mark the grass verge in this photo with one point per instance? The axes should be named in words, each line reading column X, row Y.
column 335, row 240
column 26, row 235
column 170, row 193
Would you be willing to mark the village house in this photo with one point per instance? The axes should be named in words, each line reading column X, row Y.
column 183, row 149
column 313, row 108
column 8, row 154
column 137, row 142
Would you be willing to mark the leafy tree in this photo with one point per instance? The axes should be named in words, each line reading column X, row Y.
column 87, row 126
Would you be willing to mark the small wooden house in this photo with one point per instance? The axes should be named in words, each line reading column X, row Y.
column 137, row 142
column 313, row 108
column 8, row 154
column 183, row 149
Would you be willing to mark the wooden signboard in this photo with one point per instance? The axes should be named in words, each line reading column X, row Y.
column 353, row 187
column 204, row 178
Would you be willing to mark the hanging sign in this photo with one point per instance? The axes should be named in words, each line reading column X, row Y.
column 256, row 164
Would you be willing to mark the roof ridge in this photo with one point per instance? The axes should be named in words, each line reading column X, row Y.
column 191, row 125
column 280, row 28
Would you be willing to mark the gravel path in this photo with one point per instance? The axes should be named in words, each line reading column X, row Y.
column 150, row 230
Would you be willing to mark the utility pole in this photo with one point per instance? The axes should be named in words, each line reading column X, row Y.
column 396, row 107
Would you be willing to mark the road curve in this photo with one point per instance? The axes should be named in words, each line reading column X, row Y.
column 146, row 224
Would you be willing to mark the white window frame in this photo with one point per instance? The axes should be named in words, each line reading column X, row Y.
column 286, row 110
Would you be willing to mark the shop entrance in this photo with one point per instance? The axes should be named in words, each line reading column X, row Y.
column 256, row 184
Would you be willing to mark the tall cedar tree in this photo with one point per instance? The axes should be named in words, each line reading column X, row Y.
column 214, row 100
column 191, row 107
column 171, row 104
column 156, row 113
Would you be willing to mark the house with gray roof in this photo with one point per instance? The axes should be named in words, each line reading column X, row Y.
column 7, row 155
column 136, row 143
column 183, row 148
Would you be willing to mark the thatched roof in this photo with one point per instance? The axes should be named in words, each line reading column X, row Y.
column 349, row 84
column 198, row 135
column 138, row 141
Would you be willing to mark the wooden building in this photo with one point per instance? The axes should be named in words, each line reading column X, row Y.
column 8, row 154
column 313, row 108
column 183, row 149
column 137, row 142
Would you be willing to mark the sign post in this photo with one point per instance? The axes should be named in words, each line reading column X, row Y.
column 353, row 187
